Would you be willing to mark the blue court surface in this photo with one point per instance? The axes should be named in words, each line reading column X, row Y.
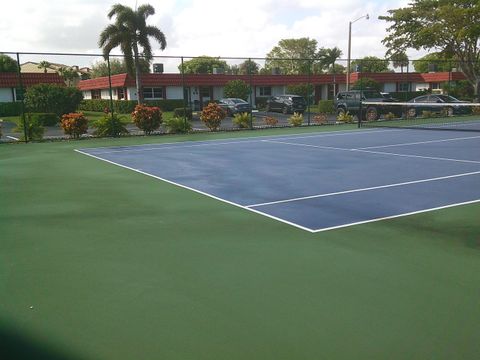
column 319, row 181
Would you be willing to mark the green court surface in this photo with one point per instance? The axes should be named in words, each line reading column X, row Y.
column 99, row 262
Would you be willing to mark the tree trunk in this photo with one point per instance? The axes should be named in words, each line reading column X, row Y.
column 138, row 81
column 477, row 90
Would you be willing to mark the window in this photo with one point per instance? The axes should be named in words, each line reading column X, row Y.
column 265, row 91
column 153, row 93
column 96, row 94
column 403, row 87
column 120, row 93
column 19, row 93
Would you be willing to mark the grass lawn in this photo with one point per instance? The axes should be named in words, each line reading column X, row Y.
column 98, row 262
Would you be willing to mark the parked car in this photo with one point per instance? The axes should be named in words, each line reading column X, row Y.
column 350, row 101
column 287, row 104
column 234, row 106
column 442, row 104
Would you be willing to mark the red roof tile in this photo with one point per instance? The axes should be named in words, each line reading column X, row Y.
column 124, row 80
column 9, row 80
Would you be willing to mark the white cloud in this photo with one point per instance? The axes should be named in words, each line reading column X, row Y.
column 198, row 27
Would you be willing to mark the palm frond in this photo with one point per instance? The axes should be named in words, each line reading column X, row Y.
column 156, row 33
column 145, row 10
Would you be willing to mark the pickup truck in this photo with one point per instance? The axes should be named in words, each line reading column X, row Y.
column 349, row 101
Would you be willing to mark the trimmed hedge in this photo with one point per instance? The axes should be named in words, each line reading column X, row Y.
column 45, row 119
column 127, row 106
column 10, row 109
column 183, row 112
column 326, row 107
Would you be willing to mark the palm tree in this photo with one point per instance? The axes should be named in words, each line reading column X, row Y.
column 130, row 32
column 329, row 57
column 400, row 60
column 44, row 65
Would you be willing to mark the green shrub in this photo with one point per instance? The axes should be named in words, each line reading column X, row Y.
column 176, row 125
column 127, row 106
column 52, row 98
column 110, row 125
column 183, row 112
column 237, row 89
column 261, row 102
column 34, row 129
column 147, row 118
column 212, row 115
column 389, row 116
column 242, row 120
column 296, row 119
column 10, row 109
column 326, row 107
column 345, row 117
column 45, row 119
column 475, row 110
column 1, row 125
column 74, row 124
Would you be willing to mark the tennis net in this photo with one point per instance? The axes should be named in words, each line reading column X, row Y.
column 460, row 116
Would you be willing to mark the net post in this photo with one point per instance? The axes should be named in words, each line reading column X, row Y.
column 22, row 90
column 360, row 109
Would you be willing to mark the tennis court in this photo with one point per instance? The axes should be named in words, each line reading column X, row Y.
column 322, row 181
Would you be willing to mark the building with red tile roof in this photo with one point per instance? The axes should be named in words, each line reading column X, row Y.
column 201, row 88
column 9, row 83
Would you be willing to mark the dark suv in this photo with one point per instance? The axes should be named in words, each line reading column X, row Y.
column 349, row 101
column 287, row 104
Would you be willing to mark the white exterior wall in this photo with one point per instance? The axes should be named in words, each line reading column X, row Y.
column 105, row 94
column 132, row 93
column 6, row 95
column 389, row 87
column 218, row 92
column 87, row 95
column 174, row 92
column 420, row 86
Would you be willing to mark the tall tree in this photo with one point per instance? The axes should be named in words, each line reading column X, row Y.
column 294, row 56
column 68, row 75
column 203, row 65
column 400, row 60
column 448, row 26
column 248, row 67
column 329, row 57
column 131, row 33
column 7, row 64
column 117, row 66
column 440, row 62
column 45, row 65
column 370, row 64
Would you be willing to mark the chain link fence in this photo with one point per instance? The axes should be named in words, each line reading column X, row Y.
column 279, row 92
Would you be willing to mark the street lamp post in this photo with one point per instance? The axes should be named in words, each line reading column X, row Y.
column 350, row 46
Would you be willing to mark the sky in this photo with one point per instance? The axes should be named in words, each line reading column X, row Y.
column 246, row 28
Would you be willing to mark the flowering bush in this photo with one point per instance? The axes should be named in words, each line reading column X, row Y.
column 320, row 119
column 212, row 115
column 74, row 124
column 269, row 120
column 147, row 118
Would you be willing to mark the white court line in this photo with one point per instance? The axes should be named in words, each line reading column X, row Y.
column 375, row 152
column 395, row 216
column 363, row 189
column 419, row 142
column 197, row 191
column 265, row 214
column 213, row 142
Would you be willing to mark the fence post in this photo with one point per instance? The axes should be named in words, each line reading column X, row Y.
column 184, row 100
column 110, row 86
column 22, row 90
column 360, row 110
column 309, row 80
column 249, row 69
